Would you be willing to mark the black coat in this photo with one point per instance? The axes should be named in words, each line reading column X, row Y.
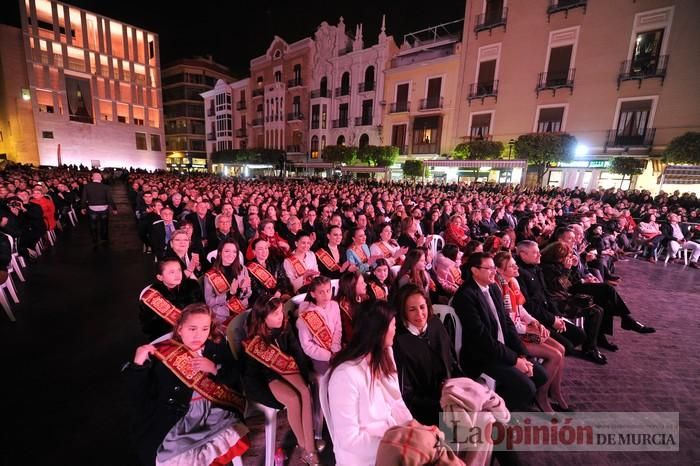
column 480, row 346
column 533, row 288
column 423, row 364
column 257, row 376
column 325, row 271
column 159, row 398
column 188, row 292
column 157, row 238
column 197, row 235
column 284, row 286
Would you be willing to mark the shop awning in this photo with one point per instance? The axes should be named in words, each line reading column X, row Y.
column 681, row 174
column 476, row 163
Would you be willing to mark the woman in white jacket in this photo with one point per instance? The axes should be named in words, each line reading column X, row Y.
column 363, row 390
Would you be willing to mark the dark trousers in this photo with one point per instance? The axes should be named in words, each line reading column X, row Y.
column 570, row 339
column 99, row 225
column 607, row 297
column 517, row 389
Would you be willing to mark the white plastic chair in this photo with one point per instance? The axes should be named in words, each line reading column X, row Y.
column 444, row 312
column 5, row 303
column 395, row 269
column 235, row 334
column 434, row 242
column 14, row 263
column 73, row 217
column 211, row 257
column 334, row 286
column 680, row 251
column 298, row 299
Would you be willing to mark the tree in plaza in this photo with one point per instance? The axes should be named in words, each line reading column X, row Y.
column 340, row 154
column 414, row 168
column 684, row 149
column 627, row 166
column 479, row 149
column 541, row 149
column 379, row 156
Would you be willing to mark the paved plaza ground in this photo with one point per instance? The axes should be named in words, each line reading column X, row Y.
column 64, row 399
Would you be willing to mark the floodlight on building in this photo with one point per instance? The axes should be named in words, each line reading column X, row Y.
column 581, row 150
column 26, row 96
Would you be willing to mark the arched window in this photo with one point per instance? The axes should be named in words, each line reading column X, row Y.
column 345, row 84
column 323, row 143
column 314, row 147
column 324, row 87
column 364, row 141
column 369, row 79
column 340, row 141
column 278, row 76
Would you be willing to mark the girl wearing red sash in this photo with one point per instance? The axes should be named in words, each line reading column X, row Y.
column 227, row 270
column 358, row 252
column 267, row 276
column 301, row 266
column 352, row 291
column 332, row 258
column 277, row 370
column 380, row 280
column 279, row 248
column 387, row 247
column 447, row 269
column 173, row 423
column 175, row 289
column 319, row 340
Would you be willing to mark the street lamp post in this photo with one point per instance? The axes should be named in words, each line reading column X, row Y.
column 511, row 143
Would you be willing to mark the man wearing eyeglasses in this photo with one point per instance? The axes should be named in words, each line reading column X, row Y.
column 490, row 343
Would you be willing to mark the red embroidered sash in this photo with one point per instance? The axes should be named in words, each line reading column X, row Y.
column 343, row 305
column 235, row 306
column 318, row 328
column 262, row 274
column 431, row 285
column 161, row 306
column 270, row 356
column 385, row 250
column 178, row 358
column 456, row 275
column 298, row 266
column 378, row 291
column 218, row 281
column 360, row 254
column 327, row 260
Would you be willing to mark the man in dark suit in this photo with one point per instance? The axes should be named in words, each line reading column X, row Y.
column 490, row 343
column 203, row 223
column 487, row 224
column 161, row 232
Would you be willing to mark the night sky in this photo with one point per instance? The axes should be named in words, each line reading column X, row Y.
column 234, row 31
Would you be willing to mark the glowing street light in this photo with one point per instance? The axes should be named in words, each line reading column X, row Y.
column 580, row 150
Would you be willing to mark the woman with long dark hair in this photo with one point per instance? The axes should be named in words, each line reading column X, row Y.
column 227, row 283
column 277, row 370
column 413, row 271
column 363, row 388
column 425, row 356
column 352, row 290
column 331, row 257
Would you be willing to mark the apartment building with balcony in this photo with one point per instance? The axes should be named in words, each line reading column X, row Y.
column 280, row 91
column 79, row 88
column 620, row 76
column 184, row 81
column 348, row 87
column 420, row 91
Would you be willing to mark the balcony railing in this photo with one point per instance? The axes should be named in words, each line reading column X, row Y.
column 258, row 92
column 431, row 103
column 483, row 90
column 240, row 105
column 258, row 121
column 365, row 120
column 488, row 21
column 556, row 6
column 638, row 138
column 341, row 91
column 294, row 148
column 340, row 123
column 211, row 137
column 211, row 111
column 294, row 83
column 316, row 93
column 241, row 133
column 556, row 80
column 431, row 148
column 81, row 118
column 295, row 116
column 478, row 137
column 403, row 150
column 367, row 86
column 641, row 69
column 398, row 107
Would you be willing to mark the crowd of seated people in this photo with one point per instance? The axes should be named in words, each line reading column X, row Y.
column 530, row 275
